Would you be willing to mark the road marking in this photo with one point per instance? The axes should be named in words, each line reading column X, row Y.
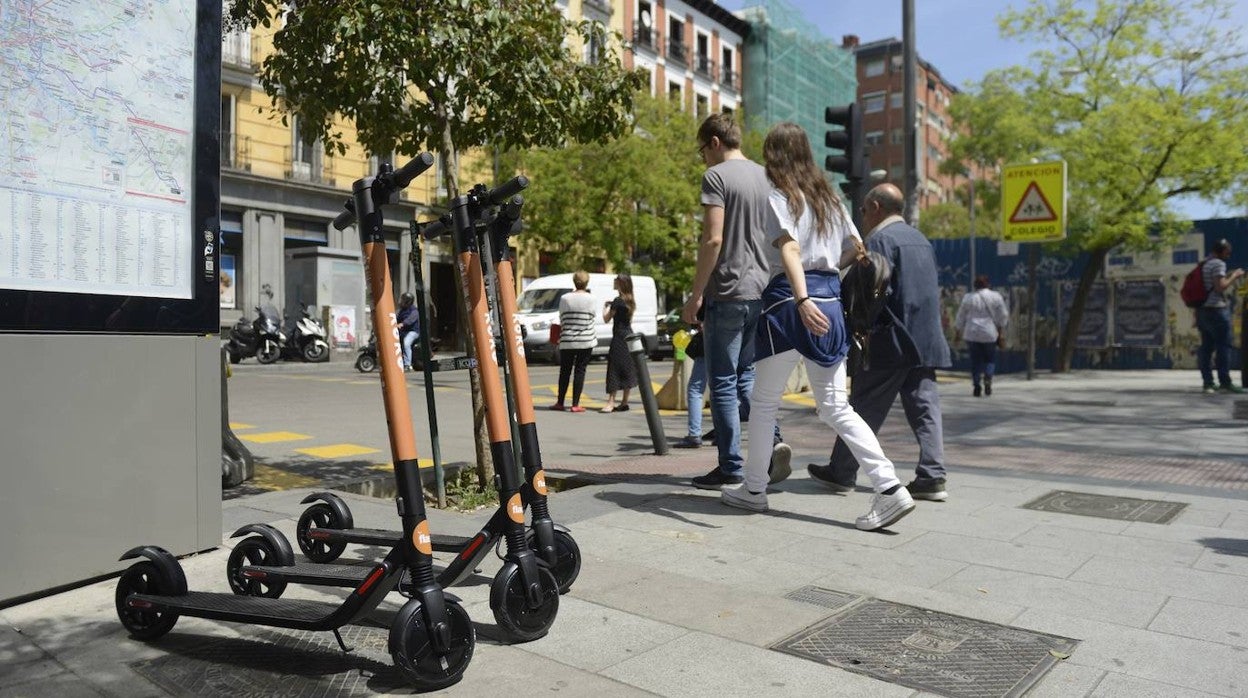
column 332, row 380
column 805, row 399
column 422, row 462
column 337, row 451
column 270, row 437
column 270, row 478
column 240, row 425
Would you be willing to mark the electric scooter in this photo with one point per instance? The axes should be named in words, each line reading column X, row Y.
column 431, row 638
column 524, row 594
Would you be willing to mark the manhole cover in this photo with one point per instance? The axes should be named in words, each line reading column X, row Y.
column 822, row 597
column 1106, row 507
column 288, row 664
column 930, row 651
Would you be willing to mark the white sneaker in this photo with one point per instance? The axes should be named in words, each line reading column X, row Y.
column 886, row 510
column 781, row 459
column 742, row 498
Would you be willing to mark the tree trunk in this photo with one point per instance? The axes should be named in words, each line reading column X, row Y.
column 1070, row 332
column 481, row 440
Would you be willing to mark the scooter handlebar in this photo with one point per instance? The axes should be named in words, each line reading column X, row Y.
column 345, row 218
column 405, row 174
column 435, row 229
column 508, row 189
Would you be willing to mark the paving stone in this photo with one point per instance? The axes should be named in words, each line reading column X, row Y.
column 1184, row 582
column 1225, row 560
column 1196, row 516
column 1095, row 601
column 993, row 553
column 1065, row 680
column 702, row 665
column 729, row 567
column 1236, row 521
column 979, row 607
column 1203, row 620
column 1063, row 538
column 1116, row 685
column 599, row 541
column 915, row 565
column 63, row 685
column 592, row 637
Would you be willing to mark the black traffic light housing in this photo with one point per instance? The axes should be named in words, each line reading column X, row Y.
column 853, row 162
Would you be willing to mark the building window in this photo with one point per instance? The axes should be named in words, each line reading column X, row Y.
column 702, row 62
column 593, row 47
column 898, row 136
column 873, row 102
column 644, row 33
column 894, row 100
column 873, row 137
column 874, row 68
column 934, row 154
column 675, row 92
column 649, row 79
column 676, row 40
column 703, row 105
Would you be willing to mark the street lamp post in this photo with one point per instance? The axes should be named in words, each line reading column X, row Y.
column 971, row 181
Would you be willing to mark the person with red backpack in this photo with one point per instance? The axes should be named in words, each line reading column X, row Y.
column 1213, row 319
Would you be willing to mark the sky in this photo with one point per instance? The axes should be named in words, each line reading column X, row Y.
column 959, row 37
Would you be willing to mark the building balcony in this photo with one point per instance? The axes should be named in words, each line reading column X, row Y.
column 237, row 51
column 730, row 78
column 310, row 164
column 704, row 66
column 645, row 38
column 676, row 51
column 235, row 151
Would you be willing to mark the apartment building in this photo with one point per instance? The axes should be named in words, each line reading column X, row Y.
column 691, row 49
column 880, row 94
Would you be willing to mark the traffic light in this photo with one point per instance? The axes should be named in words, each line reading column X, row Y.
column 852, row 163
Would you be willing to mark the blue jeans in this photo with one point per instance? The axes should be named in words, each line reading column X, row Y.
column 983, row 360
column 730, row 328
column 693, row 395
column 1215, row 341
column 409, row 338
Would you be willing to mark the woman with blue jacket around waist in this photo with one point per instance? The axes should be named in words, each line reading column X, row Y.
column 811, row 237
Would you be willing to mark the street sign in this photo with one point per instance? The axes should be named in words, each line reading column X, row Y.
column 1033, row 202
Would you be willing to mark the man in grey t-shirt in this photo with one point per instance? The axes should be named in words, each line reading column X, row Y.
column 730, row 277
column 1213, row 319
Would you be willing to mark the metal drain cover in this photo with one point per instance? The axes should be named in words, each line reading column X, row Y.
column 289, row 664
column 930, row 651
column 822, row 597
column 1106, row 507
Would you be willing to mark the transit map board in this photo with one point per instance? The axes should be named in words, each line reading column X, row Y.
column 1033, row 202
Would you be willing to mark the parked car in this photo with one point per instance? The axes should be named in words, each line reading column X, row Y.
column 668, row 326
column 539, row 309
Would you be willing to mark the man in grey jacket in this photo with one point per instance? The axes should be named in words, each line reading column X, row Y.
column 905, row 349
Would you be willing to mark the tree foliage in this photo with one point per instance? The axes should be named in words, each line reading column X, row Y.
column 1146, row 100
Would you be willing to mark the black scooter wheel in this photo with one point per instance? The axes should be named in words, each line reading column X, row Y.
column 319, row 515
column 254, row 550
column 412, row 650
column 511, row 608
column 315, row 352
column 269, row 352
column 144, row 578
column 567, row 558
column 366, row 363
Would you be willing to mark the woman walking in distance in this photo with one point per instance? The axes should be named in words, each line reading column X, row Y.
column 981, row 318
column 811, row 236
column 621, row 373
column 578, row 333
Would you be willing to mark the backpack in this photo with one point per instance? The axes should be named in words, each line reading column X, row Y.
column 864, row 293
column 1194, row 293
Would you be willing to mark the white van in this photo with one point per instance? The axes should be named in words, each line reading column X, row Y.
column 539, row 309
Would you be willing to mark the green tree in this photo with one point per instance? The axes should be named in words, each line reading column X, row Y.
column 442, row 76
column 947, row 220
column 1146, row 100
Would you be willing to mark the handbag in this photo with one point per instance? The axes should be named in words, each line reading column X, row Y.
column 556, row 330
column 697, row 346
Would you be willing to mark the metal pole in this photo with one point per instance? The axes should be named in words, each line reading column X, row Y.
column 1033, row 253
column 971, row 285
column 911, row 111
column 637, row 348
column 439, row 476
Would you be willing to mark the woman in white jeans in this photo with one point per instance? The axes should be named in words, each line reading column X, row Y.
column 811, row 237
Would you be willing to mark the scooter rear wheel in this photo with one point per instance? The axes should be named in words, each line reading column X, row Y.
column 143, row 578
column 366, row 363
column 567, row 558
column 412, row 650
column 254, row 550
column 510, row 603
column 319, row 515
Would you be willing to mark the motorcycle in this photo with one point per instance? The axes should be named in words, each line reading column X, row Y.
column 260, row 338
column 366, row 360
column 306, row 339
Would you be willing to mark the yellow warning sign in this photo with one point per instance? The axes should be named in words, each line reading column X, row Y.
column 1033, row 202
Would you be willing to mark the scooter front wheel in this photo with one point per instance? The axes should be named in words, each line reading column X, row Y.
column 143, row 578
column 315, row 352
column 254, row 550
column 269, row 352
column 510, row 603
column 319, row 515
column 567, row 558
column 412, row 649
column 366, row 363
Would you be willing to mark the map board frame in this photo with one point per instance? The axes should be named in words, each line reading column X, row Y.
column 193, row 308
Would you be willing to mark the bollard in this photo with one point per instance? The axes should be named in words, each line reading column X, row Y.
column 237, row 463
column 637, row 348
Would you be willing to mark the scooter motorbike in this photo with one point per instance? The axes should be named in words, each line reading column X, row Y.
column 366, row 361
column 306, row 339
column 260, row 338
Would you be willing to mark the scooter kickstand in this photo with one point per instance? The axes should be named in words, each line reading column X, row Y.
column 342, row 644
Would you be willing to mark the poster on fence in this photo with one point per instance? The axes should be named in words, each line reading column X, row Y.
column 1094, row 329
column 1139, row 313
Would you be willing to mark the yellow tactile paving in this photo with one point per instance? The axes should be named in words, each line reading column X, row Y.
column 800, row 399
column 270, row 478
column 337, row 450
column 270, row 437
column 422, row 462
column 239, row 425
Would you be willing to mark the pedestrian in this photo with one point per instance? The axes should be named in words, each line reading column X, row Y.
column 729, row 278
column 903, row 352
column 409, row 326
column 621, row 372
column 981, row 320
column 694, row 390
column 1213, row 319
column 811, row 237
column 578, row 334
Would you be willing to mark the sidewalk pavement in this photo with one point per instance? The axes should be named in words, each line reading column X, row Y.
column 681, row 596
